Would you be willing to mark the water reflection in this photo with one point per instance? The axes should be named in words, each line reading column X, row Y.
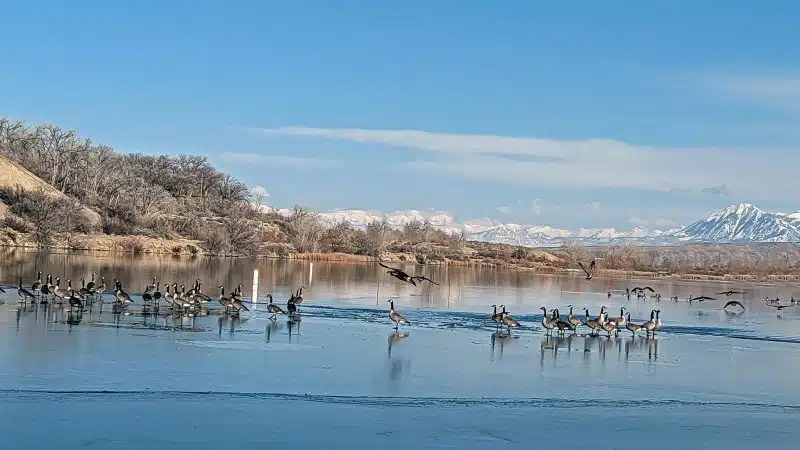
column 398, row 366
column 601, row 348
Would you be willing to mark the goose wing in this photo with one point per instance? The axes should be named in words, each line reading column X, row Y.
column 398, row 318
column 733, row 303
column 240, row 305
column 420, row 278
column 648, row 288
column 390, row 268
column 580, row 264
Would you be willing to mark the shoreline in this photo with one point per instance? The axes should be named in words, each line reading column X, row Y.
column 142, row 245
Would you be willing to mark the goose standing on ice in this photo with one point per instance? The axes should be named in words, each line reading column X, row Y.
column 658, row 320
column 58, row 292
column 23, row 293
column 396, row 317
column 650, row 325
column 574, row 320
column 225, row 302
column 560, row 324
column 37, row 285
column 620, row 321
column 546, row 322
column 593, row 324
column 273, row 308
column 508, row 320
column 496, row 317
column 632, row 327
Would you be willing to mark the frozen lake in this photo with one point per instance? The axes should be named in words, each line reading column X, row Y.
column 343, row 377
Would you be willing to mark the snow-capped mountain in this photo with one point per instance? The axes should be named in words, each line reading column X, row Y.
column 742, row 223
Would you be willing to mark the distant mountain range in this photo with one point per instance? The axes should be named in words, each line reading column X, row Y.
column 742, row 223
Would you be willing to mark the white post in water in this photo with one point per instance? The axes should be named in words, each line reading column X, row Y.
column 310, row 272
column 255, row 286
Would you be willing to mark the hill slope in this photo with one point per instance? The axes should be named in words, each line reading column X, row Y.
column 12, row 175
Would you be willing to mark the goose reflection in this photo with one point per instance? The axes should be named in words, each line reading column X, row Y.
column 555, row 343
column 293, row 324
column 274, row 327
column 502, row 336
column 398, row 366
column 394, row 337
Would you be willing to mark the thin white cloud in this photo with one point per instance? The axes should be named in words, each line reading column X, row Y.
column 282, row 160
column 594, row 207
column 504, row 209
column 657, row 222
column 781, row 92
column 590, row 163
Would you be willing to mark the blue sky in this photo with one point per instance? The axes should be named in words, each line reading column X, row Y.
column 565, row 113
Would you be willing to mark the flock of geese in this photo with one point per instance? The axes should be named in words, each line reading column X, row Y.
column 194, row 302
column 181, row 301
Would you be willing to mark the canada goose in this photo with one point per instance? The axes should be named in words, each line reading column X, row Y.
column 37, row 285
column 650, row 325
column 507, row 319
column 396, row 317
column 546, row 322
column 590, row 271
column 121, row 296
column 273, row 308
column 47, row 288
column 147, row 296
column 298, row 297
column 497, row 318
column 603, row 317
column 609, row 326
column 237, row 304
column 593, row 324
column 157, row 293
column 560, row 324
column 224, row 301
column 729, row 293
column 402, row 276
column 91, row 284
column 84, row 291
column 58, row 292
column 574, row 320
column 168, row 295
column 620, row 321
column 658, row 320
column 632, row 327
column 733, row 303
column 23, row 293
column 702, row 298
column 641, row 289
column 150, row 287
column 101, row 289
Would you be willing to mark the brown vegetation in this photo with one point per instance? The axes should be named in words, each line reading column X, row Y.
column 58, row 190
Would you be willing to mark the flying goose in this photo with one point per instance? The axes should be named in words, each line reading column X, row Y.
column 402, row 276
column 590, row 271
column 701, row 298
column 729, row 293
column 396, row 317
column 733, row 303
column 273, row 308
column 642, row 289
